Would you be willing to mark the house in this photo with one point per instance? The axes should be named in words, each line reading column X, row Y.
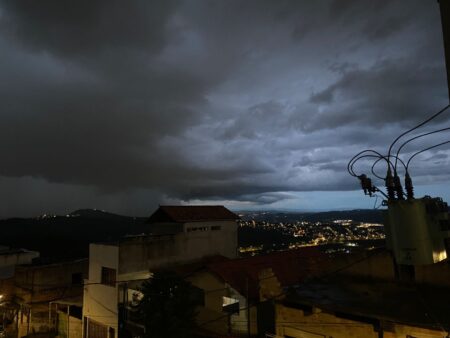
column 356, row 309
column 251, row 284
column 179, row 234
column 365, row 296
column 9, row 260
column 40, row 287
column 238, row 293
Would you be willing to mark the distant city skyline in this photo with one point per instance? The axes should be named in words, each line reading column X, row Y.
column 257, row 105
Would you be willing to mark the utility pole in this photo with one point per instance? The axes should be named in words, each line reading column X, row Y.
column 445, row 20
column 68, row 320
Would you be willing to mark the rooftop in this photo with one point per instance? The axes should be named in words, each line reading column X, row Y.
column 198, row 213
column 5, row 251
column 290, row 267
column 416, row 305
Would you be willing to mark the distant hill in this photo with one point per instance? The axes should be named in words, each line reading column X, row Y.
column 69, row 236
column 97, row 214
column 358, row 215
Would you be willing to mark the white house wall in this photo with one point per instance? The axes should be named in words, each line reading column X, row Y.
column 142, row 253
column 100, row 301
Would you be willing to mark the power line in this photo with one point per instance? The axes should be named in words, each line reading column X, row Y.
column 417, row 126
column 415, row 138
column 423, row 150
column 354, row 158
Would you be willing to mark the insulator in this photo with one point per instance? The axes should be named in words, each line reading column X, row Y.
column 409, row 186
column 366, row 184
column 398, row 187
column 390, row 185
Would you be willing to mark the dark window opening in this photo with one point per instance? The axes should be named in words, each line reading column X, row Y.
column 108, row 276
column 77, row 278
column 76, row 311
column 445, row 224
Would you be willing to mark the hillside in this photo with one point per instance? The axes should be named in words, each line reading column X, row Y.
column 359, row 215
column 69, row 236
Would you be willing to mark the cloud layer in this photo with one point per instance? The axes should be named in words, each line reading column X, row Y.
column 129, row 105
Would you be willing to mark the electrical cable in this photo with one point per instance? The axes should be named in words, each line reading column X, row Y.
column 381, row 157
column 414, row 138
column 376, row 200
column 365, row 181
column 417, row 126
column 382, row 178
column 354, row 157
column 423, row 150
column 372, row 169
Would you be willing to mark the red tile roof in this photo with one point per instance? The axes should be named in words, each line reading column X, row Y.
column 290, row 267
column 197, row 213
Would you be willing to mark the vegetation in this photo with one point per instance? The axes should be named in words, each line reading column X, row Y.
column 168, row 308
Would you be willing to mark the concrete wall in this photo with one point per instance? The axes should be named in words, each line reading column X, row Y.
column 100, row 302
column 38, row 285
column 239, row 322
column 142, row 253
column 381, row 267
column 41, row 283
column 214, row 242
column 295, row 323
column 211, row 317
column 436, row 274
column 214, row 290
column 166, row 228
column 68, row 326
column 378, row 266
column 8, row 261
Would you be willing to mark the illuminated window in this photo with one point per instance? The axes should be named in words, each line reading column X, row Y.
column 108, row 276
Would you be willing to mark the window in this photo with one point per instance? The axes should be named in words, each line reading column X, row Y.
column 445, row 224
column 216, row 227
column 77, row 278
column 108, row 276
column 75, row 311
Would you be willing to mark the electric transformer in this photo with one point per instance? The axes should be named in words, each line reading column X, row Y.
column 417, row 230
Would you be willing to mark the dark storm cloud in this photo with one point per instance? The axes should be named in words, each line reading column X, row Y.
column 85, row 28
column 241, row 101
column 390, row 91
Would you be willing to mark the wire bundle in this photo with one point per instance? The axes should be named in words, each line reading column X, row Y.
column 392, row 180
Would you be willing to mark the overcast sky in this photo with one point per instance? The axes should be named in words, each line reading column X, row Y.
column 124, row 105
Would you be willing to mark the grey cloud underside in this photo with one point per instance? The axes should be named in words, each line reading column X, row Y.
column 389, row 92
column 246, row 101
